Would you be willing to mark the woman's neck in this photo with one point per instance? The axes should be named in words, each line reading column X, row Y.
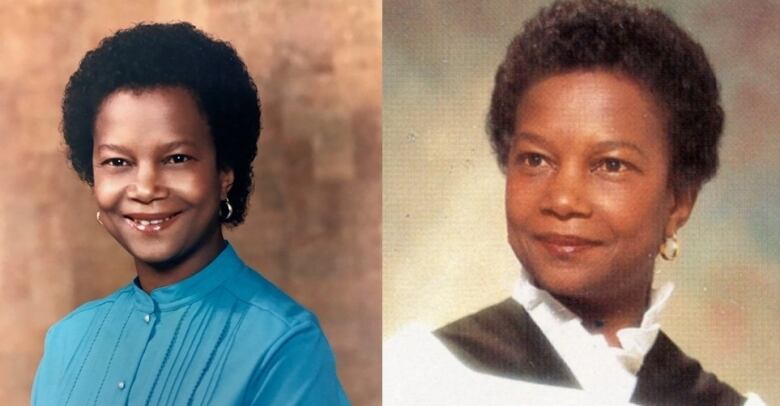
column 153, row 276
column 607, row 318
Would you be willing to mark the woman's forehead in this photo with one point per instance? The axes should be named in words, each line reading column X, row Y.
column 597, row 111
column 166, row 115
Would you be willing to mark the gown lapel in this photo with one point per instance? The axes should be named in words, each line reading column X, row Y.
column 669, row 377
column 503, row 340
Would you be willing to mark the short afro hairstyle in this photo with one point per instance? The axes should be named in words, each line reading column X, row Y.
column 148, row 56
column 643, row 44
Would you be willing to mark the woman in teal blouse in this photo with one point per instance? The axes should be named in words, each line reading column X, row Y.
column 162, row 122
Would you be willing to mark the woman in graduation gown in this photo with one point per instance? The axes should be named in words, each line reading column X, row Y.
column 162, row 122
column 605, row 119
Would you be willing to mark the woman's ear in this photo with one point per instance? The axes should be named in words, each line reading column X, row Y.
column 226, row 178
column 684, row 200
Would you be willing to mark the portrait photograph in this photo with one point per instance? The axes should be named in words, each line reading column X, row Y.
column 580, row 202
column 190, row 209
column 389, row 202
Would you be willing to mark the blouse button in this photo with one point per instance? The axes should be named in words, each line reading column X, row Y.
column 147, row 318
column 120, row 385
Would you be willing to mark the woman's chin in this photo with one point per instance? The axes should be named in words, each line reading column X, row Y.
column 154, row 255
column 570, row 282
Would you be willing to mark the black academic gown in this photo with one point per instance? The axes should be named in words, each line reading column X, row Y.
column 503, row 340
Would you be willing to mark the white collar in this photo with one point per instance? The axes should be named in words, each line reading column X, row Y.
column 582, row 350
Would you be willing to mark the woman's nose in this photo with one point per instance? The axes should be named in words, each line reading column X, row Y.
column 147, row 186
column 567, row 196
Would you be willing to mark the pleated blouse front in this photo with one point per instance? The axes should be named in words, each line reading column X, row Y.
column 222, row 336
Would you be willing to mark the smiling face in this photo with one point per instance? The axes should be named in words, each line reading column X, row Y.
column 587, row 197
column 157, row 184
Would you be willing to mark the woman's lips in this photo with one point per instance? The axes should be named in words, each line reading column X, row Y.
column 150, row 222
column 566, row 246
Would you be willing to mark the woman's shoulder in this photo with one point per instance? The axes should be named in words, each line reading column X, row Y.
column 668, row 375
column 266, row 300
column 82, row 316
column 419, row 368
column 65, row 335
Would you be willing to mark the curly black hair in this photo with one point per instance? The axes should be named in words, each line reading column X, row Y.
column 147, row 56
column 612, row 35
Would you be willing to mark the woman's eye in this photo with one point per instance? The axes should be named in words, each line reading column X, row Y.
column 178, row 159
column 115, row 162
column 612, row 165
column 533, row 160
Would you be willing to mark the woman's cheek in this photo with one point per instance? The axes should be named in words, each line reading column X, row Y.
column 109, row 190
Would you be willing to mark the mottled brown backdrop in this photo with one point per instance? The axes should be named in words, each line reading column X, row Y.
column 315, row 217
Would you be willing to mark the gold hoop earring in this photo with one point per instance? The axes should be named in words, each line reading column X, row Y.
column 97, row 217
column 670, row 248
column 229, row 210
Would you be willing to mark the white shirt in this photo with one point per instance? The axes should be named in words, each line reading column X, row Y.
column 615, row 377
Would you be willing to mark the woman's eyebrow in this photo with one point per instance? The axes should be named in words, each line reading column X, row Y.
column 613, row 144
column 165, row 147
column 531, row 137
column 176, row 144
column 600, row 146
column 113, row 147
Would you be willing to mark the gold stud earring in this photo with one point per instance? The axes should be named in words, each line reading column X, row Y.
column 670, row 248
column 97, row 217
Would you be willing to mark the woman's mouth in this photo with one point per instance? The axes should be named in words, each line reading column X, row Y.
column 150, row 222
column 565, row 246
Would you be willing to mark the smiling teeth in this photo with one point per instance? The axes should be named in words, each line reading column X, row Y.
column 154, row 225
column 144, row 223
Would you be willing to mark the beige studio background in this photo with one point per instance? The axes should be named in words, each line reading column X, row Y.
column 314, row 221
column 444, row 248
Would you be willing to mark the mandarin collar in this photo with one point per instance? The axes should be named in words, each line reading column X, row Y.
column 192, row 288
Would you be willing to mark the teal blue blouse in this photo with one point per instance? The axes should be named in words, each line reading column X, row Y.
column 224, row 336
